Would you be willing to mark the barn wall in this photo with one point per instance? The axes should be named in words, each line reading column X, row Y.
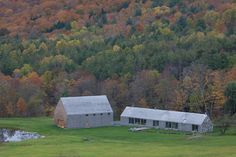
column 73, row 121
column 149, row 123
column 60, row 114
column 124, row 120
column 90, row 120
column 185, row 127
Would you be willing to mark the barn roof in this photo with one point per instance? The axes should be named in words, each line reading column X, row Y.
column 86, row 105
column 164, row 115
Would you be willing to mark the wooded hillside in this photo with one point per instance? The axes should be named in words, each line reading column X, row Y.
column 167, row 54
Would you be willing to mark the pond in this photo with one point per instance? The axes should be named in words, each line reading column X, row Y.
column 12, row 135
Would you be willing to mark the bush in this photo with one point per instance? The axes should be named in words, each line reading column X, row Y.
column 224, row 123
column 230, row 93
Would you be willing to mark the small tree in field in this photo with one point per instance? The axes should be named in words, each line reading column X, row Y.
column 224, row 123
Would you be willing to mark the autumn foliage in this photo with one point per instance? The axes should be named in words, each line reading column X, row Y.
column 167, row 54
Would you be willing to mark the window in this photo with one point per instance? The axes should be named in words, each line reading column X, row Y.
column 131, row 120
column 172, row 125
column 155, row 123
column 137, row 121
column 101, row 114
column 143, row 121
column 86, row 115
column 168, row 124
column 109, row 113
column 194, row 127
column 94, row 114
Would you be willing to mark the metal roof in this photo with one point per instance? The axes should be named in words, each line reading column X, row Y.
column 164, row 115
column 86, row 105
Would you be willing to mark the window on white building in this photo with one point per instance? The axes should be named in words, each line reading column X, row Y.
column 194, row 127
column 155, row 123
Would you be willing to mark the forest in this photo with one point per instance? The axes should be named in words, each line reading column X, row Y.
column 165, row 54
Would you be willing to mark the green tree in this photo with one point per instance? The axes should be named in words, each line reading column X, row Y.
column 57, row 63
column 211, row 18
column 218, row 61
column 230, row 93
column 229, row 17
column 200, row 25
column 224, row 123
column 26, row 69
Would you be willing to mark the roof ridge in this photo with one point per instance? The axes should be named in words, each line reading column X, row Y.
column 83, row 96
column 86, row 104
column 166, row 110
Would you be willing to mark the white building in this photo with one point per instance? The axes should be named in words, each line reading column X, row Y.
column 163, row 119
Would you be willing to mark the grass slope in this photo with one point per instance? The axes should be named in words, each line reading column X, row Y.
column 111, row 142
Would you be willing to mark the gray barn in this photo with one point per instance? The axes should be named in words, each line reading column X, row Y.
column 163, row 119
column 83, row 112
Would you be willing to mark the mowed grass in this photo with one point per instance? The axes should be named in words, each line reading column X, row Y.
column 112, row 142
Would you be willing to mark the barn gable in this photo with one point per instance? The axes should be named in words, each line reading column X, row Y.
column 60, row 117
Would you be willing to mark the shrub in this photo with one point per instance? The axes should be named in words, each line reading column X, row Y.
column 224, row 123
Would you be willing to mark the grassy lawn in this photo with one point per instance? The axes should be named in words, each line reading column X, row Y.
column 112, row 142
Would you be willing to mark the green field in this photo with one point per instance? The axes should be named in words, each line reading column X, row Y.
column 112, row 142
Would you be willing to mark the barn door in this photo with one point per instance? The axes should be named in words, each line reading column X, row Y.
column 87, row 124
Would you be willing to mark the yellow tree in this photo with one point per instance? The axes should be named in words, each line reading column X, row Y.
column 21, row 106
column 215, row 97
